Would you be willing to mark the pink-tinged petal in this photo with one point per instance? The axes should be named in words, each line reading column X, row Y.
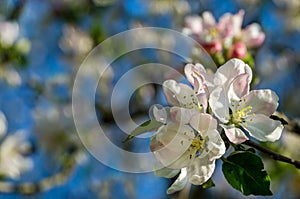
column 203, row 123
column 218, row 102
column 253, row 35
column 179, row 183
column 263, row 128
column 230, row 70
column 208, row 20
column 193, row 72
column 239, row 87
column 230, row 25
column 262, row 101
column 182, row 115
column 194, row 23
column 171, row 145
column 200, row 171
column 235, row 135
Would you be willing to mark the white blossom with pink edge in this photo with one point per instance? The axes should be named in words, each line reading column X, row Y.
column 237, row 107
column 191, row 149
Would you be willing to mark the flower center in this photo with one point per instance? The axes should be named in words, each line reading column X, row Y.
column 239, row 115
column 197, row 143
column 213, row 32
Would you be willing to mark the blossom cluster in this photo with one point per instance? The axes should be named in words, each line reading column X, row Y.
column 225, row 38
column 190, row 141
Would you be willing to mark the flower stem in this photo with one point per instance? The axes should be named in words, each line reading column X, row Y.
column 272, row 154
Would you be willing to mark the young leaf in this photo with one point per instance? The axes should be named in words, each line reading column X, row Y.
column 208, row 184
column 245, row 172
column 145, row 127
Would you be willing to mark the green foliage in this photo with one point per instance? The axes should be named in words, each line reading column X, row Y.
column 208, row 184
column 145, row 127
column 245, row 172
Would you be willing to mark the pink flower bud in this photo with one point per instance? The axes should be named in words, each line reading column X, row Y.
column 214, row 47
column 239, row 50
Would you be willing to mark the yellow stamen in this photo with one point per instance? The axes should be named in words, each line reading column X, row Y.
column 240, row 114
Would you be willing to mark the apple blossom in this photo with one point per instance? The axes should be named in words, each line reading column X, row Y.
column 233, row 104
column 192, row 149
column 12, row 161
column 226, row 35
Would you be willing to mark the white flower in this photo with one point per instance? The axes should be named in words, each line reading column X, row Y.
column 233, row 104
column 192, row 149
column 9, row 32
column 253, row 36
column 3, row 125
column 12, row 161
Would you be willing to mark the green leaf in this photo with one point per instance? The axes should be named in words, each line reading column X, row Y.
column 245, row 172
column 145, row 127
column 283, row 121
column 208, row 184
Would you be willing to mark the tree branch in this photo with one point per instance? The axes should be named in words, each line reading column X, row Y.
column 272, row 154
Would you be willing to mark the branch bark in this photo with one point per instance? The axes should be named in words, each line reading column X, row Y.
column 272, row 154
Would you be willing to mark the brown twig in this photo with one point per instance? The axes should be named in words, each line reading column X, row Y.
column 272, row 154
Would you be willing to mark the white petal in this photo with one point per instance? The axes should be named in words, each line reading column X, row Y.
column 182, row 115
column 263, row 128
column 219, row 104
column 194, row 23
column 203, row 123
column 235, row 135
column 200, row 171
column 179, row 94
column 208, row 20
column 180, row 182
column 262, row 101
column 253, row 35
column 159, row 113
column 3, row 125
column 171, row 145
column 215, row 146
column 166, row 172
column 230, row 70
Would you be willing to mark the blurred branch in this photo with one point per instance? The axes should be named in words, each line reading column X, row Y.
column 272, row 154
column 18, row 7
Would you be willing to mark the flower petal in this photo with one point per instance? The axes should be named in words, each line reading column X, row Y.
column 179, row 183
column 263, row 128
column 215, row 146
column 179, row 94
column 253, row 36
column 166, row 172
column 218, row 102
column 203, row 123
column 200, row 171
column 159, row 113
column 182, row 115
column 230, row 70
column 171, row 145
column 192, row 70
column 235, row 135
column 239, row 87
column 262, row 101
column 194, row 23
column 208, row 20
